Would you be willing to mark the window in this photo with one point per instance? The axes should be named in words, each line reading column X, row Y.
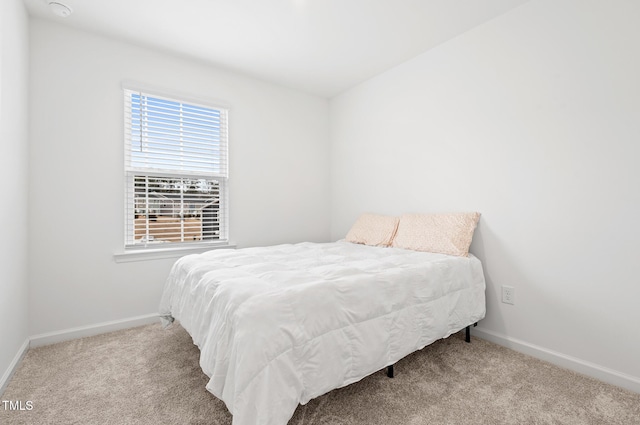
column 176, row 171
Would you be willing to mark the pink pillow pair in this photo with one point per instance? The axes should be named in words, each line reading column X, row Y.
column 439, row 233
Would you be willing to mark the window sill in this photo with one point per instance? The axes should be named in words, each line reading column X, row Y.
column 160, row 253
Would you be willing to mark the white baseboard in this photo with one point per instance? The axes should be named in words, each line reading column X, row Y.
column 593, row 370
column 91, row 330
column 4, row 381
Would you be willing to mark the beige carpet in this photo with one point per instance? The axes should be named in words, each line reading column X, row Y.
column 147, row 375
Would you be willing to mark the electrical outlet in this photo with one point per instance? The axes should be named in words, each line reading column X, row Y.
column 508, row 294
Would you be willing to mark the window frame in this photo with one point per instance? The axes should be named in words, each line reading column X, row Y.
column 148, row 250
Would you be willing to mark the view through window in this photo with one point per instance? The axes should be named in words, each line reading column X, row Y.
column 176, row 171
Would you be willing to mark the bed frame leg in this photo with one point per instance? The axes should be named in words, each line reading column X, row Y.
column 467, row 336
column 390, row 371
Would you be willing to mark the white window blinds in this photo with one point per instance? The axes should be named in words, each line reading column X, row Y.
column 176, row 171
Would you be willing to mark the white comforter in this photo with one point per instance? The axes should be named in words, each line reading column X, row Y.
column 278, row 326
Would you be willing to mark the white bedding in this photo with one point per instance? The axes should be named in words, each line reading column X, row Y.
column 278, row 326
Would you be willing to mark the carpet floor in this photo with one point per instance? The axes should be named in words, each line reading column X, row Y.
column 148, row 375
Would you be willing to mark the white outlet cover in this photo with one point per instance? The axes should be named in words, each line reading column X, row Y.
column 508, row 295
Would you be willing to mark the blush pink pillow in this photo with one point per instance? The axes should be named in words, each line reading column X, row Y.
column 373, row 229
column 440, row 233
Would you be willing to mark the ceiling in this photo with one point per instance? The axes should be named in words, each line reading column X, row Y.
column 322, row 47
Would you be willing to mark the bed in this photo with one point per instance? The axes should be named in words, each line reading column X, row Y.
column 278, row 326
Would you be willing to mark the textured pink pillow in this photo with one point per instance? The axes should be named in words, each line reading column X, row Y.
column 373, row 229
column 440, row 233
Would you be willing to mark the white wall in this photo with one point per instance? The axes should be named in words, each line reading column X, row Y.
column 279, row 178
column 533, row 120
column 14, row 69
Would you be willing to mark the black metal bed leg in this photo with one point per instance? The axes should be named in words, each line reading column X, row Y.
column 390, row 371
column 467, row 336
